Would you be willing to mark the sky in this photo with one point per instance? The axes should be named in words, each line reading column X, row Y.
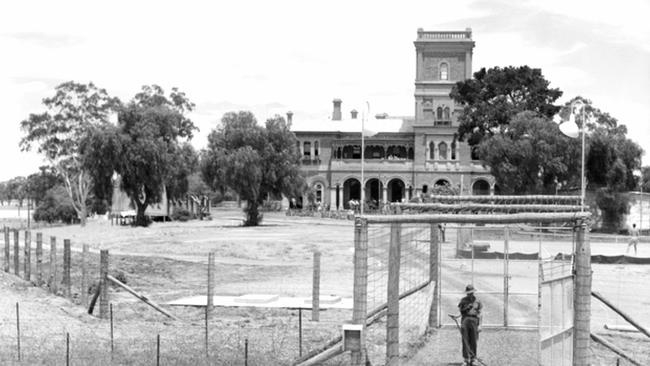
column 270, row 57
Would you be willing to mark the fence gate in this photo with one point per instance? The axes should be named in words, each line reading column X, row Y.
column 556, row 312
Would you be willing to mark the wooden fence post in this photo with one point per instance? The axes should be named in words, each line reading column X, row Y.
column 210, row 295
column 39, row 259
column 315, row 293
column 360, row 298
column 27, row 263
column 103, row 283
column 7, row 250
column 67, row 283
column 434, row 260
column 84, row 275
column 392, row 314
column 16, row 253
column 582, row 298
column 53, row 281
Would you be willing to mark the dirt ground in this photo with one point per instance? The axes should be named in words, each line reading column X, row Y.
column 167, row 261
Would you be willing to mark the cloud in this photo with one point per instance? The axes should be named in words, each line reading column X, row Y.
column 51, row 40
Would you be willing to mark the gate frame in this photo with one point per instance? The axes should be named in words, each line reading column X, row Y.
column 582, row 268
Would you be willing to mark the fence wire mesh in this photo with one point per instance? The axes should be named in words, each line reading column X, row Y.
column 415, row 288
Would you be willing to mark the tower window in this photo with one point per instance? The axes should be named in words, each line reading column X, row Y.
column 444, row 71
column 439, row 113
column 432, row 148
column 446, row 114
column 442, row 151
column 315, row 148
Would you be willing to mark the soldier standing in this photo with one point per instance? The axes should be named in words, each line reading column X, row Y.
column 470, row 310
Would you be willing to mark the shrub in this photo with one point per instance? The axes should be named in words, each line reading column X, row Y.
column 181, row 214
column 55, row 207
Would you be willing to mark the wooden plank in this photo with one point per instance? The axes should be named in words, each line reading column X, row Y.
column 140, row 296
column 392, row 291
column 518, row 218
column 67, row 256
column 7, row 265
column 53, row 280
column 27, row 262
column 582, row 298
column 621, row 313
column 615, row 349
column 16, row 253
column 488, row 207
column 103, row 283
column 434, row 260
column 84, row 275
column 360, row 285
column 39, row 259
column 210, row 305
column 315, row 289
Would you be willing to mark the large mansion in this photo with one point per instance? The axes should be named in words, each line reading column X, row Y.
column 407, row 155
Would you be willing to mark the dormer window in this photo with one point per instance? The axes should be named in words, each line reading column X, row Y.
column 444, row 71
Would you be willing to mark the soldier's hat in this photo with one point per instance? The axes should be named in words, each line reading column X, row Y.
column 469, row 289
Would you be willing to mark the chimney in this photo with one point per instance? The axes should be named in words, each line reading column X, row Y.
column 354, row 113
column 289, row 117
column 336, row 113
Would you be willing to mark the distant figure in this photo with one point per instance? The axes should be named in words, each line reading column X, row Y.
column 634, row 240
column 470, row 311
column 441, row 227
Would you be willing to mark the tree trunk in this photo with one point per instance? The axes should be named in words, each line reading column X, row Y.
column 253, row 216
column 140, row 218
column 83, row 213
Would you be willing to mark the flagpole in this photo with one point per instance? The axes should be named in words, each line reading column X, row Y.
column 582, row 174
column 363, row 189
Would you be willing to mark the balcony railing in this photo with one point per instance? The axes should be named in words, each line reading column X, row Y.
column 467, row 34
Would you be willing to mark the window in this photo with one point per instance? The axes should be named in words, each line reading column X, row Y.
column 428, row 115
column 444, row 71
column 432, row 148
column 298, row 146
column 453, row 149
column 442, row 151
column 306, row 148
column 439, row 113
column 319, row 193
column 446, row 114
column 315, row 148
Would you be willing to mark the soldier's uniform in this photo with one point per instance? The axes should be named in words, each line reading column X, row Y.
column 470, row 310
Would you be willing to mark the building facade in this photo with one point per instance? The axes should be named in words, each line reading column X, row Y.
column 406, row 156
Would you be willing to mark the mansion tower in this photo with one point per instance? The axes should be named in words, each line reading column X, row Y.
column 407, row 156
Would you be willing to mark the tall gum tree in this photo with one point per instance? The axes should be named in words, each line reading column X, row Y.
column 70, row 114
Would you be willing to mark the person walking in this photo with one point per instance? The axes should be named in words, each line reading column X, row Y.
column 634, row 240
column 470, row 311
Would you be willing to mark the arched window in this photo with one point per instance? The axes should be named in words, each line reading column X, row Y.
column 432, row 148
column 315, row 148
column 439, row 113
column 319, row 193
column 444, row 71
column 442, row 151
column 453, row 149
column 306, row 148
column 446, row 114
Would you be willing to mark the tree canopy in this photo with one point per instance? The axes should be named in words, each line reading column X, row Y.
column 145, row 146
column 494, row 96
column 531, row 156
column 256, row 162
column 70, row 114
